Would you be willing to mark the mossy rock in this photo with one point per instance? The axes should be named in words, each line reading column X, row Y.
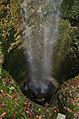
column 66, row 56
column 68, row 96
column 12, row 46
column 66, row 63
column 70, row 9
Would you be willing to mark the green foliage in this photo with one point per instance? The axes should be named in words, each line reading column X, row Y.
column 14, row 105
column 70, row 9
column 12, row 101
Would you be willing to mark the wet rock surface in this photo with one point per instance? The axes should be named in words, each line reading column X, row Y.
column 40, row 93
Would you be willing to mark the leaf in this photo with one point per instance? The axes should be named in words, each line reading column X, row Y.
column 3, row 114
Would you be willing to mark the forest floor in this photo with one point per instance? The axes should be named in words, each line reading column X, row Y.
column 14, row 105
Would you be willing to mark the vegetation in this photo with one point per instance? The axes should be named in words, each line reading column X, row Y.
column 68, row 96
column 13, row 104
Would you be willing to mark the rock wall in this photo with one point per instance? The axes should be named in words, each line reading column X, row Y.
column 66, row 62
column 10, row 34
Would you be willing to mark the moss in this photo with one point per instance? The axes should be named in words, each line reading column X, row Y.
column 66, row 55
column 70, row 9
column 15, row 14
column 12, row 47
column 11, row 98
column 66, row 63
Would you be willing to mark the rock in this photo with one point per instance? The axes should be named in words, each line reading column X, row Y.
column 10, row 34
column 66, row 56
column 41, row 91
column 53, row 81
